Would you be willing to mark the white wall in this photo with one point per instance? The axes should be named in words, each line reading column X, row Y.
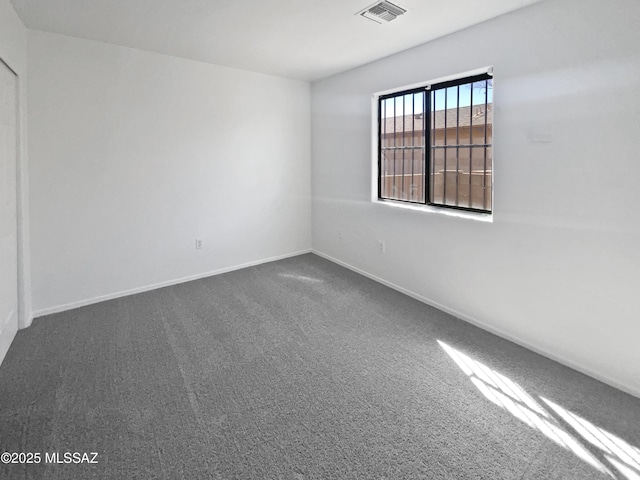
column 13, row 51
column 13, row 38
column 559, row 267
column 133, row 155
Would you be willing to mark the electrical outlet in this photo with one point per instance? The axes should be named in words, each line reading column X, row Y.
column 198, row 243
column 341, row 235
column 381, row 246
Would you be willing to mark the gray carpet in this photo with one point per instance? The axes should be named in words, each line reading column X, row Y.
column 300, row 369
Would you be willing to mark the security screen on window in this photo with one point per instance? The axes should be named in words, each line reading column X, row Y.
column 435, row 144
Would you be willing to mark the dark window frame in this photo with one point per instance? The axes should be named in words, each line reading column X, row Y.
column 428, row 144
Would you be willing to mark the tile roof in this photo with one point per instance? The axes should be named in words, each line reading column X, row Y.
column 467, row 115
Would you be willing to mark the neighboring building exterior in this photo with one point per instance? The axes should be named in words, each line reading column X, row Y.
column 462, row 166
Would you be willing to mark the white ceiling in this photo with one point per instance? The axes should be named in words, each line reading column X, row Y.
column 303, row 39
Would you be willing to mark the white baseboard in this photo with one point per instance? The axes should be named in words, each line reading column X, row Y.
column 168, row 283
column 616, row 383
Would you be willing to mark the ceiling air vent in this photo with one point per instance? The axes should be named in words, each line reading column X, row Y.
column 382, row 12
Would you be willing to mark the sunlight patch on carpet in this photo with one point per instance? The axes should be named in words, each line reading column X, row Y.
column 509, row 396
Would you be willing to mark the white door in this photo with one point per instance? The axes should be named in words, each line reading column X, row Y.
column 8, row 210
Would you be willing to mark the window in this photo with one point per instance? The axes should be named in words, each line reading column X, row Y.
column 435, row 144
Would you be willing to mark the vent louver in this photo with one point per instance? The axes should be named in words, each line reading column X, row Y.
column 382, row 12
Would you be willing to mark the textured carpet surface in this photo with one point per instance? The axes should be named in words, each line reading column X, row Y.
column 299, row 369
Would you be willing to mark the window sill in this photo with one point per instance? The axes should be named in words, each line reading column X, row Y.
column 449, row 212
